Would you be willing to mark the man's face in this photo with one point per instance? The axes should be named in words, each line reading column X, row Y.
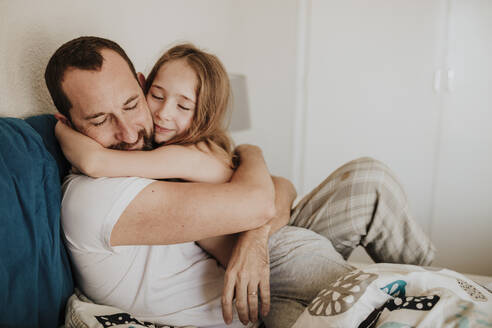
column 108, row 105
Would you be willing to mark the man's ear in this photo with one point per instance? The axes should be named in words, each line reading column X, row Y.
column 63, row 119
column 141, row 79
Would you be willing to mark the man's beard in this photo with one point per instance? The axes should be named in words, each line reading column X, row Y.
column 148, row 142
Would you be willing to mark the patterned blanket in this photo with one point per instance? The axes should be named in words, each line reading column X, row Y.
column 395, row 295
column 376, row 296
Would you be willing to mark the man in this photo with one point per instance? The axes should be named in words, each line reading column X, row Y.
column 132, row 239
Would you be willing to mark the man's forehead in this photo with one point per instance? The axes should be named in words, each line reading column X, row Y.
column 93, row 91
column 114, row 71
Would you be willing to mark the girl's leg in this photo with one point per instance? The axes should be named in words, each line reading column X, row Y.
column 302, row 263
column 362, row 203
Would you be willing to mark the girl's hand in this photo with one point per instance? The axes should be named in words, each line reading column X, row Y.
column 80, row 150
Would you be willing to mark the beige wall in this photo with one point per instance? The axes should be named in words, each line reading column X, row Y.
column 255, row 38
column 368, row 89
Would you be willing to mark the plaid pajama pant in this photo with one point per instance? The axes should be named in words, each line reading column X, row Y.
column 361, row 203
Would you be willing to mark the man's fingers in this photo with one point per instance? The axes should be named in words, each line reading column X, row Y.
column 253, row 301
column 265, row 296
column 227, row 296
column 242, row 300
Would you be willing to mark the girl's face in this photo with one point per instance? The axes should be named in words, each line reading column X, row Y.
column 172, row 100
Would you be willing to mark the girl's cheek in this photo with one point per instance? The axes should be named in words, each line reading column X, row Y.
column 152, row 107
column 188, row 121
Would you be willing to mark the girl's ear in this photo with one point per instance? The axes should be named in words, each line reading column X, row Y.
column 141, row 79
column 63, row 119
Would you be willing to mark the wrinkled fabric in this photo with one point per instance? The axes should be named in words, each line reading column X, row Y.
column 35, row 276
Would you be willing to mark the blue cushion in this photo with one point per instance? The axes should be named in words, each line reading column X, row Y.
column 35, row 275
column 45, row 126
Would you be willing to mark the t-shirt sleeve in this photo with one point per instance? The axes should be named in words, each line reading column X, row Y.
column 91, row 207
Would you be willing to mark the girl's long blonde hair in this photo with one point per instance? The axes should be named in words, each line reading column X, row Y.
column 212, row 92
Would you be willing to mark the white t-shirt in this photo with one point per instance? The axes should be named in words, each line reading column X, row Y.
column 168, row 284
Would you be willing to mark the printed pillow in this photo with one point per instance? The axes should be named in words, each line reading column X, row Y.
column 35, row 275
column 82, row 312
column 344, row 303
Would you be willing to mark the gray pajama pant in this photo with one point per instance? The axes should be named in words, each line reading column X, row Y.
column 361, row 203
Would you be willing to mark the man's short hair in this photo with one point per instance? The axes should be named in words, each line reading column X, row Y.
column 82, row 53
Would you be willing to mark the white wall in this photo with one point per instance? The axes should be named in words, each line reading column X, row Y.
column 369, row 91
column 265, row 39
column 371, row 68
column 462, row 220
column 360, row 49
column 255, row 38
column 372, row 91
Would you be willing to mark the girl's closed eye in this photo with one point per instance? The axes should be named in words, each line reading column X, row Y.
column 157, row 97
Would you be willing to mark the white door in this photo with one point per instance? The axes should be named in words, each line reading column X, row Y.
column 462, row 227
column 370, row 90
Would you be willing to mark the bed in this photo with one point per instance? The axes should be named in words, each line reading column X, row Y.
column 373, row 295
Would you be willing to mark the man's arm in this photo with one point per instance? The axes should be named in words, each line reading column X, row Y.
column 285, row 194
column 221, row 247
column 168, row 213
column 248, row 269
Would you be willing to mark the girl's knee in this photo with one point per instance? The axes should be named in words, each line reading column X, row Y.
column 369, row 164
column 378, row 175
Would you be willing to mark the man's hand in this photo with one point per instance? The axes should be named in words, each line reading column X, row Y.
column 248, row 270
column 248, row 274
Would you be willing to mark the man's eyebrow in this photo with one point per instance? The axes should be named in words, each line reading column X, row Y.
column 90, row 117
column 129, row 100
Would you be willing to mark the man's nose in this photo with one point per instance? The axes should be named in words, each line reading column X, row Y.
column 126, row 132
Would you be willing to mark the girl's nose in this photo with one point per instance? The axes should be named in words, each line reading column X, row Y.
column 166, row 112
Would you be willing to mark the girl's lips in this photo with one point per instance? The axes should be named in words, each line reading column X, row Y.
column 160, row 129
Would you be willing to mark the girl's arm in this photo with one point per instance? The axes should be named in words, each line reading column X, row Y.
column 174, row 161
